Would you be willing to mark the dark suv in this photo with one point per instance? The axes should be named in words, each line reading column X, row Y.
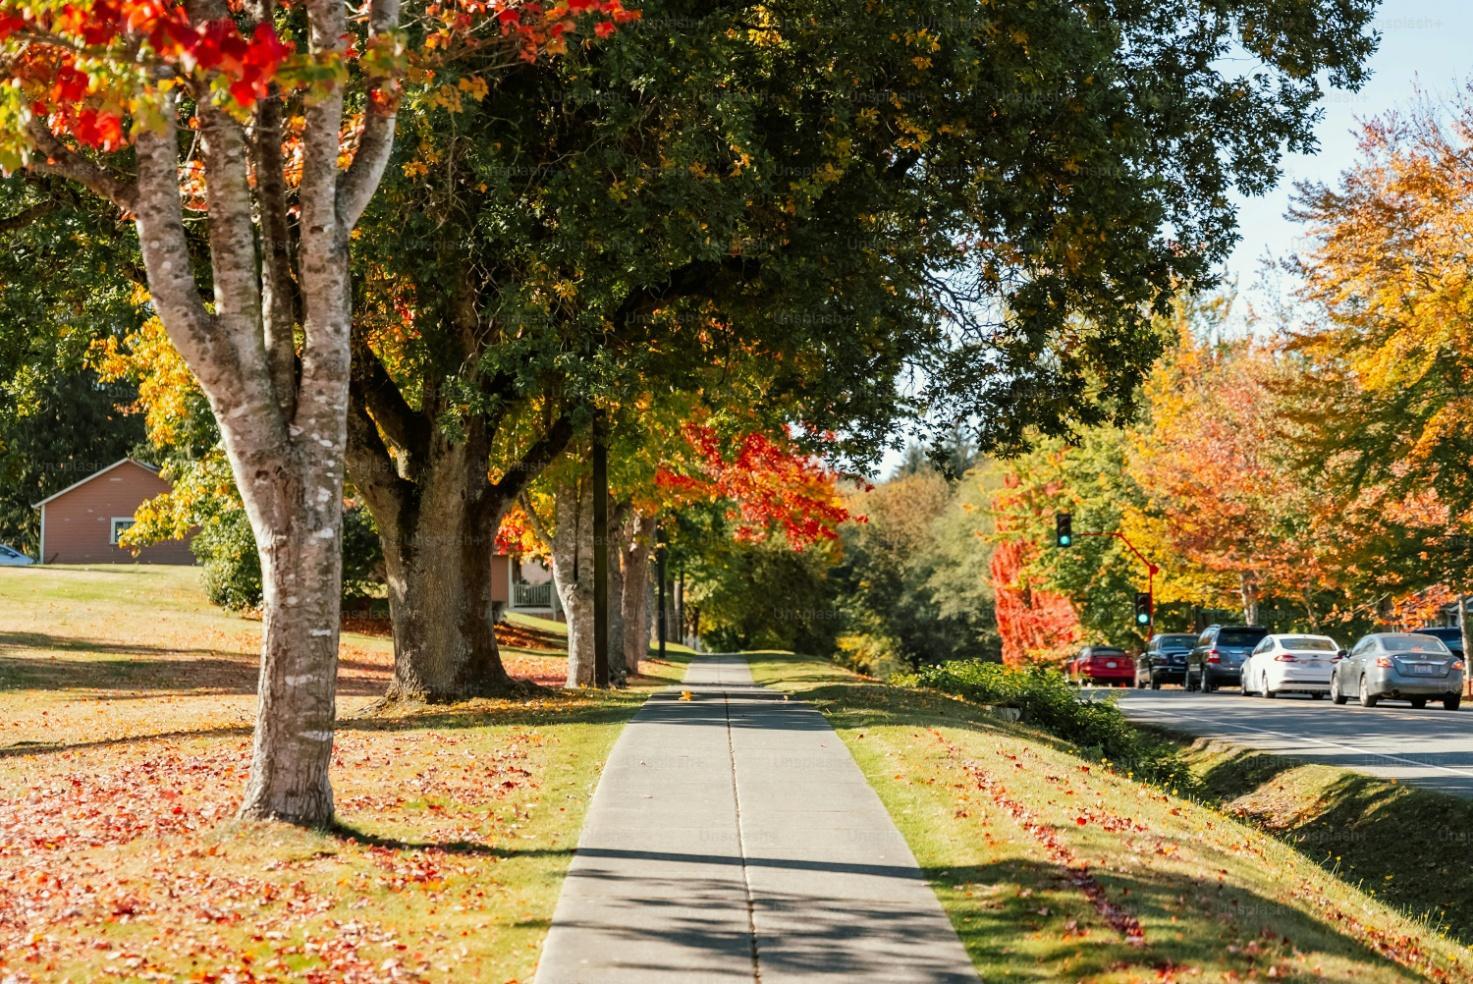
column 1217, row 659
column 1164, row 660
column 1450, row 635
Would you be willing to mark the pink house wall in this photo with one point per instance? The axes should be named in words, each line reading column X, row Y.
column 76, row 526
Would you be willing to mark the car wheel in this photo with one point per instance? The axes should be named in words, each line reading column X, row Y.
column 1419, row 702
column 1367, row 699
column 1270, row 694
column 1451, row 703
column 1336, row 694
column 1155, row 682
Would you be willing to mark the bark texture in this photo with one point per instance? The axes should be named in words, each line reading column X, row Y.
column 572, row 575
column 281, row 414
column 636, row 549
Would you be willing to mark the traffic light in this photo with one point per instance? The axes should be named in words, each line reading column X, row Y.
column 1142, row 609
column 1063, row 529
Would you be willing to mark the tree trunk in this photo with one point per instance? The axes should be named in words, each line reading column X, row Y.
column 617, row 665
column 1248, row 588
column 437, row 561
column 634, row 599
column 572, row 576
column 299, row 653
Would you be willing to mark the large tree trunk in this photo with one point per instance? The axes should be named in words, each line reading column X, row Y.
column 618, row 535
column 572, row 576
column 634, row 600
column 437, row 558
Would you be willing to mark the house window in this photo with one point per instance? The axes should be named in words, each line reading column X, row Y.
column 120, row 524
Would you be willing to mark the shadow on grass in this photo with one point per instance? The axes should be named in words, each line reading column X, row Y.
column 1192, row 926
column 1404, row 842
column 548, row 707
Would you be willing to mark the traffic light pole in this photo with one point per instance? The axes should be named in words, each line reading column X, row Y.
column 1151, row 571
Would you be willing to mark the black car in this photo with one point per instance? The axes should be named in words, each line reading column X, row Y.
column 1217, row 659
column 1449, row 635
column 1164, row 660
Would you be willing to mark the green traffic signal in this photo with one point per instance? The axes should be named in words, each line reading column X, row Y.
column 1063, row 529
column 1142, row 608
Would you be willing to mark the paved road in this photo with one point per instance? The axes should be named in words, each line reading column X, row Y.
column 1430, row 747
column 733, row 839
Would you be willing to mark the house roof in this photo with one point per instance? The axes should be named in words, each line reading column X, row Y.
column 93, row 476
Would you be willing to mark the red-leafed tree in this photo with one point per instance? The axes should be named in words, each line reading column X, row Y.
column 1036, row 625
column 292, row 110
column 768, row 485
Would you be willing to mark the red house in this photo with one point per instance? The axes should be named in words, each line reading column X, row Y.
column 81, row 523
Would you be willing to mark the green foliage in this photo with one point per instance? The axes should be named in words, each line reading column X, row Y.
column 1046, row 700
column 870, row 654
column 914, row 574
column 226, row 548
column 63, row 283
column 763, row 596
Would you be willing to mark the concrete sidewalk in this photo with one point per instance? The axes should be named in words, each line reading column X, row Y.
column 732, row 838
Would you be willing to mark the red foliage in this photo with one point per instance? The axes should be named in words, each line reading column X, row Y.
column 770, row 484
column 1036, row 626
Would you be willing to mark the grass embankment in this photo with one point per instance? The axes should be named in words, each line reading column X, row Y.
column 1405, row 845
column 1055, row 868
column 125, row 704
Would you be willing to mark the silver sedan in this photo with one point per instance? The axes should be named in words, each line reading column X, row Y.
column 1399, row 666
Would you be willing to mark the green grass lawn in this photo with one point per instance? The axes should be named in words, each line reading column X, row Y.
column 1053, row 868
column 125, row 705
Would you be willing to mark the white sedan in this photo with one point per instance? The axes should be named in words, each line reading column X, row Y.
column 1290, row 663
column 13, row 558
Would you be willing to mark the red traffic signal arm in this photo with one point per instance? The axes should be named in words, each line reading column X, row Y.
column 1151, row 571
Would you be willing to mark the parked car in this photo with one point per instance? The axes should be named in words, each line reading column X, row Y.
column 1400, row 666
column 1102, row 664
column 1164, row 660
column 1291, row 664
column 1217, row 659
column 13, row 558
column 1450, row 635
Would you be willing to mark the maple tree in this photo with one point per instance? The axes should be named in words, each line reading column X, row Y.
column 295, row 111
column 1035, row 623
column 1386, row 416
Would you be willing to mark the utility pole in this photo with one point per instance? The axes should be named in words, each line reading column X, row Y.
column 600, row 549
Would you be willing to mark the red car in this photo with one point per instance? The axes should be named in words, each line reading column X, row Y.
column 1104, row 665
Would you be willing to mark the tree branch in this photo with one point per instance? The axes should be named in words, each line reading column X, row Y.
column 537, row 457
column 376, row 143
column 407, row 429
column 59, row 159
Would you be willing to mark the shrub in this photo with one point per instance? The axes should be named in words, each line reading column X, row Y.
column 870, row 654
column 1046, row 700
column 226, row 548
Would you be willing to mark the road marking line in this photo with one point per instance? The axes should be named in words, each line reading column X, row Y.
column 1332, row 744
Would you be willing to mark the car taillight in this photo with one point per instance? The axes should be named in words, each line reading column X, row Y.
column 1457, row 664
column 1384, row 662
column 1213, row 656
column 1285, row 658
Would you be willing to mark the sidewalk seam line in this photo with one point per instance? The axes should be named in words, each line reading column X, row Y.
column 736, row 800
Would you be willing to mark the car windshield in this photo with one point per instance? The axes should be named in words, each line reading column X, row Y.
column 1413, row 644
column 1240, row 637
column 1107, row 652
column 1178, row 642
column 1308, row 644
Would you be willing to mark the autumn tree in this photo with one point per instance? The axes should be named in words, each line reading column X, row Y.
column 109, row 95
column 1388, row 416
column 839, row 195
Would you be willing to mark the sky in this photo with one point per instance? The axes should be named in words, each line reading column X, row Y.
column 1426, row 44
